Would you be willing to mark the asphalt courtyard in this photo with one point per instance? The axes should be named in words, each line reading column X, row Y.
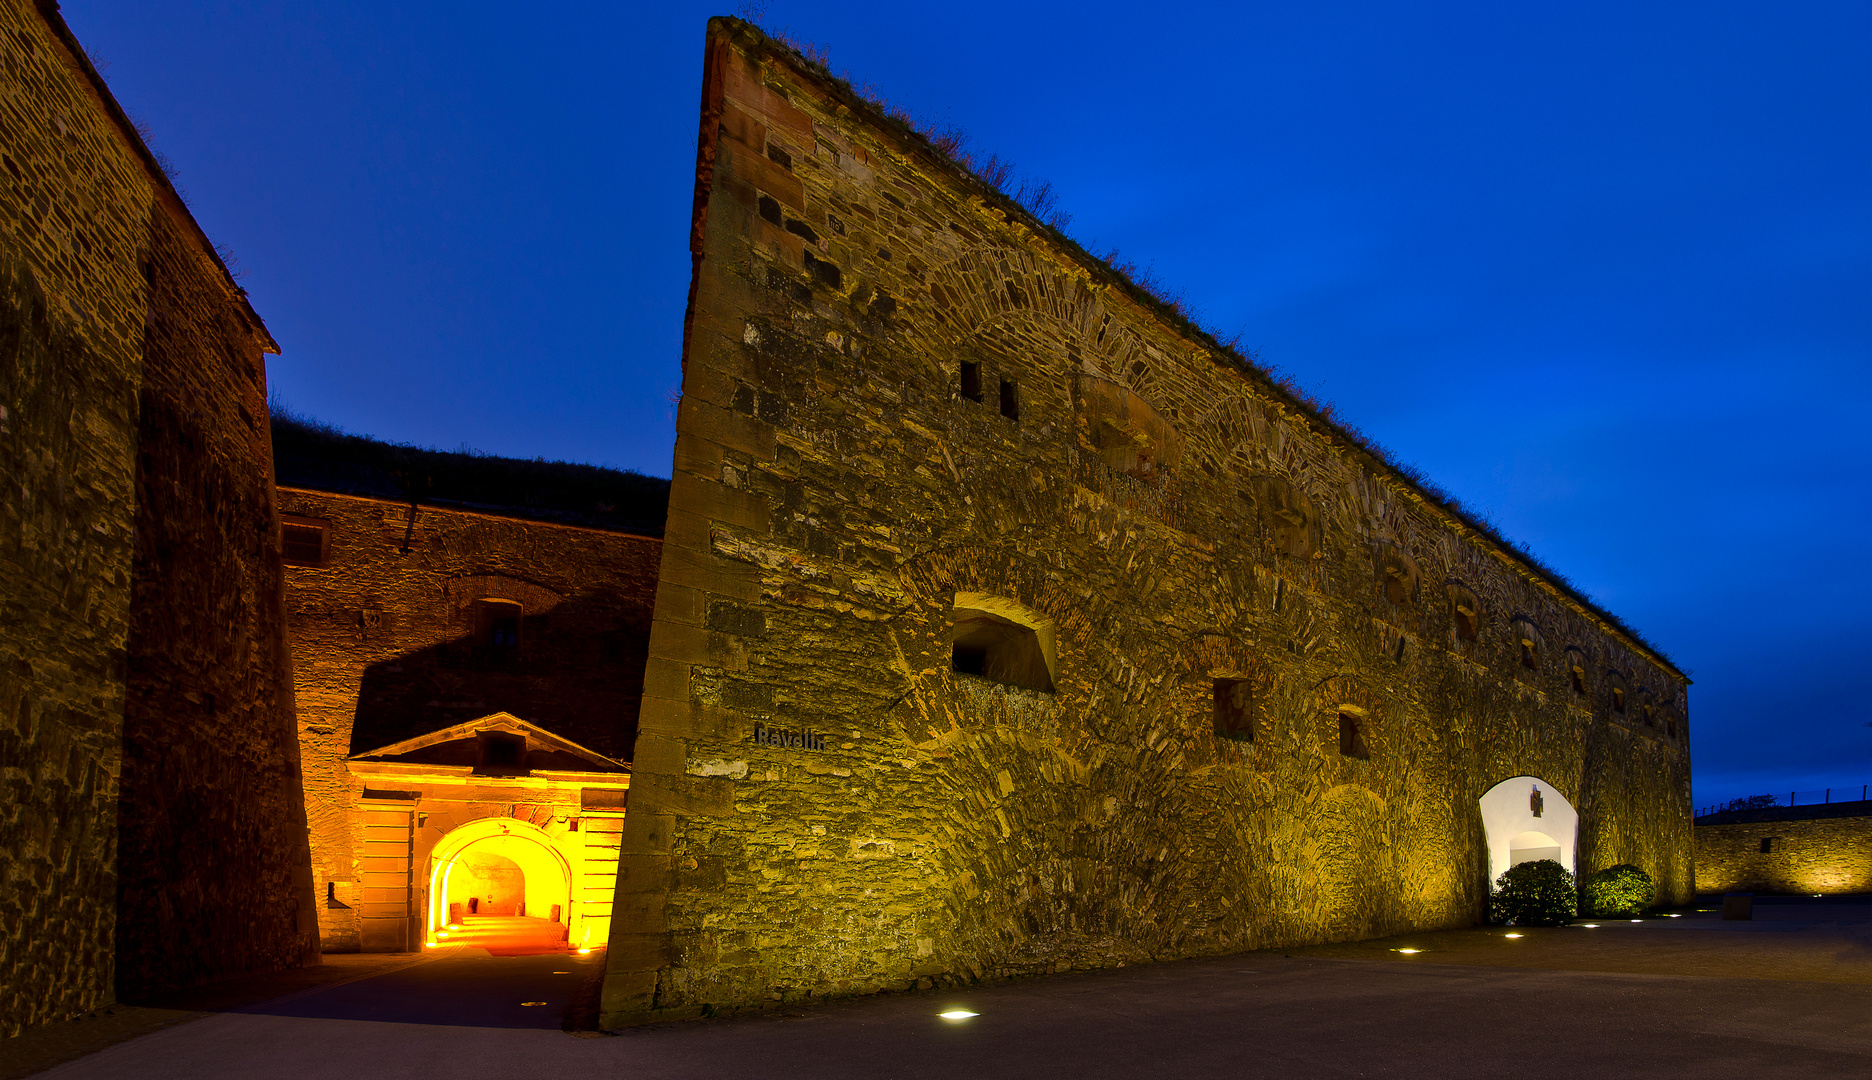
column 1786, row 995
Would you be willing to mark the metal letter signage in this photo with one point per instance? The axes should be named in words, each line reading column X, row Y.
column 773, row 736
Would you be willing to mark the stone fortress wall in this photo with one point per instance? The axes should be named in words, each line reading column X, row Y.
column 1088, row 645
column 152, row 833
column 1800, row 850
column 383, row 632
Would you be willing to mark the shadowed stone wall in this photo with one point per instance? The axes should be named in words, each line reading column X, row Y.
column 899, row 388
column 145, row 735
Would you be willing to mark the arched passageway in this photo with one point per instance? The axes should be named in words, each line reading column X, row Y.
column 497, row 885
column 1525, row 818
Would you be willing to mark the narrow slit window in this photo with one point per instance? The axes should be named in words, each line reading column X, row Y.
column 1618, row 699
column 1527, row 654
column 1770, row 845
column 1010, row 400
column 1577, row 676
column 971, row 380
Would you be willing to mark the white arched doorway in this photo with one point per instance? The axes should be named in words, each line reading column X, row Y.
column 1524, row 818
column 499, row 868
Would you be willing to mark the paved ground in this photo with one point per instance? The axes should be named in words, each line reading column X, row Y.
column 1789, row 995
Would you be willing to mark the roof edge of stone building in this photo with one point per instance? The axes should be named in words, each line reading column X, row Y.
column 1378, row 460
column 166, row 190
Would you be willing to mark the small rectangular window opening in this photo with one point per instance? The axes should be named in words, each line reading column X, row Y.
column 1527, row 654
column 497, row 625
column 1769, row 845
column 302, row 543
column 1577, row 675
column 1234, row 718
column 1467, row 626
column 1010, row 401
column 1618, row 700
column 971, row 380
column 1351, row 739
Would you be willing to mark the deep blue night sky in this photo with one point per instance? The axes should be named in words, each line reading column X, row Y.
column 1602, row 269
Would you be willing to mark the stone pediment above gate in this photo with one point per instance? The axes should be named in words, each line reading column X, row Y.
column 499, row 744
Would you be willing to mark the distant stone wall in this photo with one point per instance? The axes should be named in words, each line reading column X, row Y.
column 913, row 423
column 384, row 647
column 1804, row 856
column 95, row 249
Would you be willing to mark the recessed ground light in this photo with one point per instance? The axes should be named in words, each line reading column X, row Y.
column 1637, row 920
column 1673, row 916
column 562, row 973
column 582, row 952
column 1511, row 935
column 435, row 944
column 442, row 933
column 957, row 1014
column 532, row 1003
column 1408, row 950
column 1591, row 925
column 454, row 926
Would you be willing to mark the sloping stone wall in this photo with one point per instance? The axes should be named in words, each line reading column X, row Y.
column 899, row 388
column 1804, row 855
column 113, row 311
column 384, row 650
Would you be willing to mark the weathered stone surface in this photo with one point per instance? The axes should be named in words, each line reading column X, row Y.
column 1170, row 515
column 149, row 831
column 1828, row 852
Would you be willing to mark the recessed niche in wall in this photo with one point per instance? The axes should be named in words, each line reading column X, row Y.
column 1576, row 670
column 1128, row 435
column 1397, row 575
column 1290, row 519
column 1465, row 613
column 1527, row 644
column 1001, row 640
column 1010, row 400
column 1234, row 712
column 1352, row 736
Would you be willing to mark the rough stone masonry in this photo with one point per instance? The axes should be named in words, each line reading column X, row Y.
column 1118, row 651
column 151, row 828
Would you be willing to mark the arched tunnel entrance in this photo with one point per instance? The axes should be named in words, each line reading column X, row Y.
column 501, row 885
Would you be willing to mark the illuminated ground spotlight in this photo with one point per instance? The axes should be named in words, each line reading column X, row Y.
column 1407, row 951
column 1590, row 925
column 957, row 1014
column 1637, row 920
column 1511, row 935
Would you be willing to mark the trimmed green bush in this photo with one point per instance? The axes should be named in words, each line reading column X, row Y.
column 1618, row 890
column 1537, row 893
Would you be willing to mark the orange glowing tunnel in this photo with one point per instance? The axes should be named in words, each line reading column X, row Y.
column 495, row 886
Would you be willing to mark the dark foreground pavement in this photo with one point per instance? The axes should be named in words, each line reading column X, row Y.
column 1461, row 1011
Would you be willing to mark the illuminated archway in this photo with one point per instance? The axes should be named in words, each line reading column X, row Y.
column 1526, row 818
column 514, row 862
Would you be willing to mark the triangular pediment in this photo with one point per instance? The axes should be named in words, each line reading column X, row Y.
column 532, row 748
